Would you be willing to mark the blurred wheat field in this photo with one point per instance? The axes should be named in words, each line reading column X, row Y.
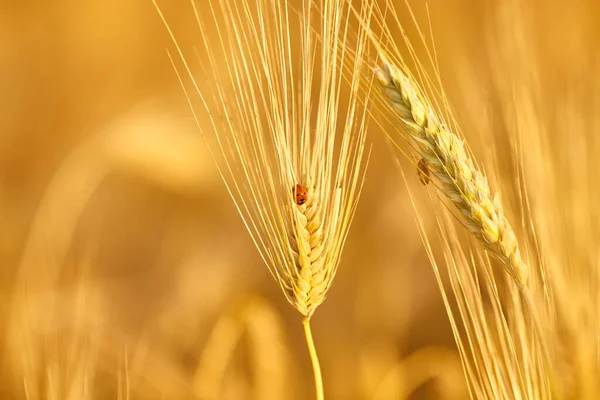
column 126, row 272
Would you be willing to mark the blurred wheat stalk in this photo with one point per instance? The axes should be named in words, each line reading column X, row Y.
column 502, row 359
column 289, row 150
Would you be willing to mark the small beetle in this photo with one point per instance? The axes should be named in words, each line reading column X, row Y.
column 301, row 194
column 423, row 171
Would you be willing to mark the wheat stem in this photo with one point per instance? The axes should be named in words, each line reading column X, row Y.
column 312, row 351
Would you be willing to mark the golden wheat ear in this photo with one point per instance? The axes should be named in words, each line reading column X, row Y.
column 280, row 109
column 459, row 179
column 492, row 319
column 288, row 138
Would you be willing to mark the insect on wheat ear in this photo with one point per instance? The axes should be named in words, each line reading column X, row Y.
column 424, row 172
column 301, row 194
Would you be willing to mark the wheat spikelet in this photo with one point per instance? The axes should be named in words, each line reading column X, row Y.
column 450, row 163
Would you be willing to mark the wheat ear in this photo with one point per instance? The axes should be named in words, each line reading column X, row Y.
column 464, row 185
column 308, row 245
column 288, row 144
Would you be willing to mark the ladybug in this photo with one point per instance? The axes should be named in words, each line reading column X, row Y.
column 423, row 171
column 301, row 194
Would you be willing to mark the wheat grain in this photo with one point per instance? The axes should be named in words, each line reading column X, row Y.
column 459, row 179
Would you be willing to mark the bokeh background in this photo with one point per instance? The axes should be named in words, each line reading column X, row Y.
column 125, row 270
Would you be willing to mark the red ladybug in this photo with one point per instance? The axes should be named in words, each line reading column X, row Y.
column 301, row 194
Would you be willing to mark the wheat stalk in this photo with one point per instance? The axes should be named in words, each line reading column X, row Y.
column 500, row 357
column 459, row 179
column 288, row 146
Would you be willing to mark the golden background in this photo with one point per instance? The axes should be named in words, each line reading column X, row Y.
column 125, row 270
